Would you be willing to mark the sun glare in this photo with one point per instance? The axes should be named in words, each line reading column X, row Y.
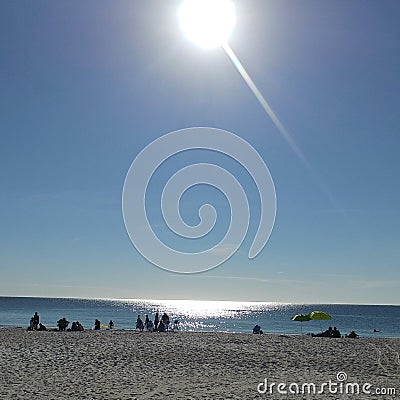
column 208, row 23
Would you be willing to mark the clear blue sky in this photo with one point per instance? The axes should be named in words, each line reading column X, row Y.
column 86, row 85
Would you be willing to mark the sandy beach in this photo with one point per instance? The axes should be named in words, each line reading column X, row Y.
column 132, row 365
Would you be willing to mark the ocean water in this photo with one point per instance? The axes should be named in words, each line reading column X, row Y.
column 218, row 316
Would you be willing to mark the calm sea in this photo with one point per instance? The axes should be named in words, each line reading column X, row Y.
column 221, row 316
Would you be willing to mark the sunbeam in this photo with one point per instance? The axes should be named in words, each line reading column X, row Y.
column 264, row 104
column 282, row 130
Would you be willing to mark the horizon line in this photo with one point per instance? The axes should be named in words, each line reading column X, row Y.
column 202, row 300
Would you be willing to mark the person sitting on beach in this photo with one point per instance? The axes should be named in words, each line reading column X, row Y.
column 96, row 325
column 111, row 324
column 62, row 324
column 257, row 330
column 35, row 321
column 336, row 333
column 352, row 335
column 327, row 333
column 161, row 327
column 149, row 326
column 76, row 326
column 139, row 324
column 41, row 327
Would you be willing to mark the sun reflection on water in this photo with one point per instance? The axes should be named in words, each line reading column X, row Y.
column 205, row 308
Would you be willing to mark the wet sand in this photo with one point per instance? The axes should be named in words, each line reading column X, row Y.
column 132, row 365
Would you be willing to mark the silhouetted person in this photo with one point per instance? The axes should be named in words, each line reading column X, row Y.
column 165, row 320
column 353, row 335
column 156, row 321
column 96, row 325
column 161, row 327
column 336, row 333
column 327, row 333
column 42, row 327
column 111, row 324
column 139, row 324
column 62, row 324
column 35, row 321
column 150, row 326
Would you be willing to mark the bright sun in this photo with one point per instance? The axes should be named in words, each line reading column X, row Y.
column 208, row 23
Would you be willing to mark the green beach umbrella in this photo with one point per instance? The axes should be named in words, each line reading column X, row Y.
column 319, row 316
column 301, row 318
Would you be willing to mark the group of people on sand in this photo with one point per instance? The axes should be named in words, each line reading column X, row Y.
column 35, row 325
column 62, row 325
column 77, row 326
column 330, row 332
column 97, row 325
column 334, row 333
column 159, row 325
